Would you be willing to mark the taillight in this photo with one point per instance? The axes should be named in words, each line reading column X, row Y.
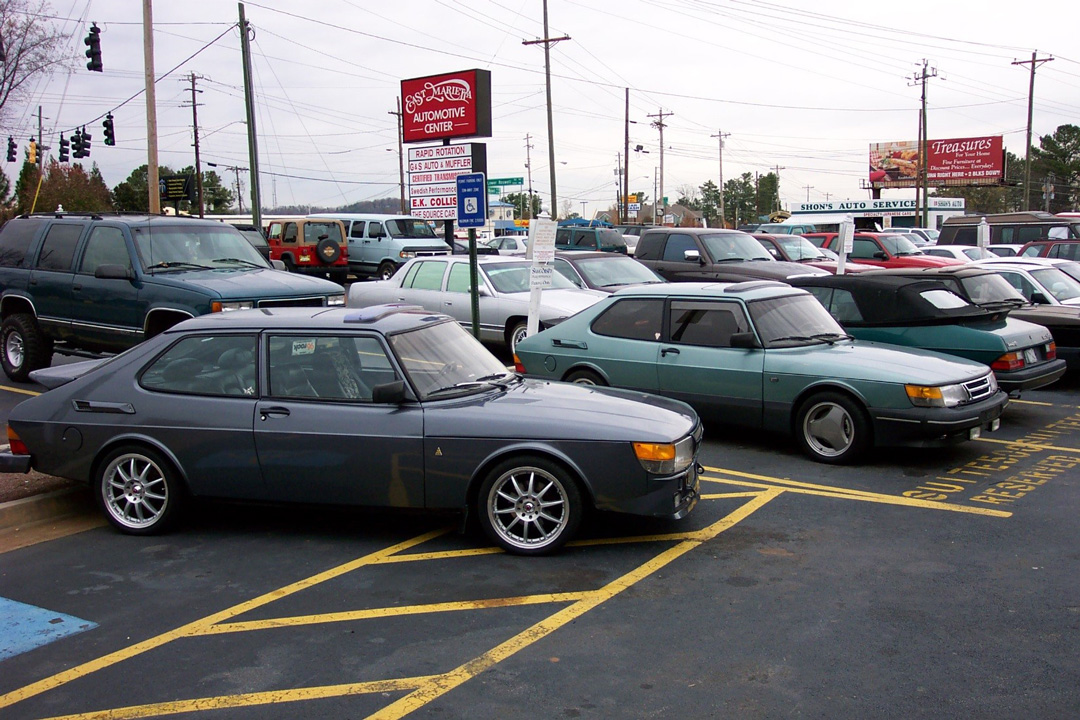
column 1051, row 350
column 18, row 447
column 519, row 367
column 1009, row 361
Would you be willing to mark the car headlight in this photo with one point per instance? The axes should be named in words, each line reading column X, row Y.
column 335, row 299
column 665, row 458
column 218, row 306
column 407, row 254
column 936, row 395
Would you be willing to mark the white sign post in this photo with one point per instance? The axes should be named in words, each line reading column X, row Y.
column 982, row 234
column 542, row 248
column 845, row 243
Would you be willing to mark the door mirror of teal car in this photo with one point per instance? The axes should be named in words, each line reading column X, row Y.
column 744, row 340
column 114, row 272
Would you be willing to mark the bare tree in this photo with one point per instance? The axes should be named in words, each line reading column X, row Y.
column 31, row 46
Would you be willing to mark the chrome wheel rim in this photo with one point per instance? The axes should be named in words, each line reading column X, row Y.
column 584, row 380
column 528, row 507
column 829, row 429
column 518, row 335
column 14, row 350
column 135, row 490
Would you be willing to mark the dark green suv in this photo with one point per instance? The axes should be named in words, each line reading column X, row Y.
column 82, row 284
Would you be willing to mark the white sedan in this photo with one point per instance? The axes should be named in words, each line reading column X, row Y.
column 967, row 253
column 441, row 284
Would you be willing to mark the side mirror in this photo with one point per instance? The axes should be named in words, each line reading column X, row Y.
column 114, row 272
column 744, row 340
column 391, row 393
column 482, row 291
column 1039, row 299
column 692, row 256
column 278, row 265
column 880, row 255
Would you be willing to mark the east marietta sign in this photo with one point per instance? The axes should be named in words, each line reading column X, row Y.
column 433, row 173
column 452, row 105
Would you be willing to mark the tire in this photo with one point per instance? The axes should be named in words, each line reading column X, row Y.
column 290, row 264
column 339, row 276
column 23, row 347
column 516, row 334
column 586, row 377
column 833, row 428
column 138, row 490
column 328, row 251
column 386, row 270
column 529, row 506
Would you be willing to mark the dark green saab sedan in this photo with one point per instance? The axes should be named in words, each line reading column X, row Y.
column 767, row 355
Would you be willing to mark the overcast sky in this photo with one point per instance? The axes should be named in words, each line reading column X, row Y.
column 805, row 90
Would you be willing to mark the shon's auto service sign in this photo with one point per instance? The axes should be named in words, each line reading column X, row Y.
column 453, row 105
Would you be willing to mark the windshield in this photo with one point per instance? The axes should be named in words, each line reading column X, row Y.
column 1059, row 284
column 615, row 270
column 439, row 358
column 991, row 288
column 1072, row 269
column 793, row 320
column 799, row 248
column 724, row 247
column 409, row 228
column 899, row 245
column 181, row 247
column 514, row 277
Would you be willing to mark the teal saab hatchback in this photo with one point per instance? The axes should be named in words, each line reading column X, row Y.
column 767, row 355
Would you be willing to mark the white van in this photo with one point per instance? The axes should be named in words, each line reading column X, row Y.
column 380, row 244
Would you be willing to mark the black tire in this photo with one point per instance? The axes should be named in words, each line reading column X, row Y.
column 138, row 489
column 516, row 334
column 386, row 270
column 529, row 506
column 833, row 428
column 328, row 251
column 339, row 276
column 23, row 347
column 290, row 264
column 586, row 377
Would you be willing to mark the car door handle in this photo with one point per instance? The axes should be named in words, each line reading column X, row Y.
column 578, row 344
column 76, row 287
column 448, row 302
column 276, row 411
column 665, row 351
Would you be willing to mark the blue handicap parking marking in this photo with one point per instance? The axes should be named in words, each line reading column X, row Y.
column 24, row 627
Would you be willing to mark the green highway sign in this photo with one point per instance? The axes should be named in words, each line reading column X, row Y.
column 494, row 183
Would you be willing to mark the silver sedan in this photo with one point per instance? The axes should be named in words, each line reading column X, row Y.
column 441, row 284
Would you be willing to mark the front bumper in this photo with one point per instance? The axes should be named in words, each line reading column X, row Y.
column 1032, row 377
column 927, row 427
column 14, row 463
column 669, row 496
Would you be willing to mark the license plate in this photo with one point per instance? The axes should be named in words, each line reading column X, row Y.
column 1030, row 357
column 974, row 433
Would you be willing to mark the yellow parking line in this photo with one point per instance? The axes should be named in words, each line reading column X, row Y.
column 198, row 626
column 1036, row 446
column 1036, row 402
column 796, row 483
column 442, row 684
column 18, row 390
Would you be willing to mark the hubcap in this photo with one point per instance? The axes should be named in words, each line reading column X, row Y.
column 829, row 429
column 13, row 348
column 528, row 507
column 135, row 491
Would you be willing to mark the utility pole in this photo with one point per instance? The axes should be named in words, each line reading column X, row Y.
column 249, row 103
column 527, row 214
column 547, row 42
column 659, row 125
column 400, row 159
column 778, row 169
column 195, row 127
column 808, row 189
column 40, row 145
column 153, row 189
column 1035, row 61
column 625, row 206
column 621, row 216
column 922, row 178
column 720, row 135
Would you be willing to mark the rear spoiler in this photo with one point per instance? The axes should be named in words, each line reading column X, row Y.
column 54, row 377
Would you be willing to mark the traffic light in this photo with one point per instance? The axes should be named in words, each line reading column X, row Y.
column 93, row 40
column 11, row 149
column 64, row 146
column 110, row 133
column 76, row 144
column 31, row 152
column 85, row 144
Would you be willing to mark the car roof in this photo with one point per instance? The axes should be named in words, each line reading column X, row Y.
column 751, row 290
column 1021, row 217
column 582, row 254
column 1022, row 262
column 695, row 230
column 386, row 319
column 124, row 217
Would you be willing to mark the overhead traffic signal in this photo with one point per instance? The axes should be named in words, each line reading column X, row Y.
column 85, row 150
column 93, row 40
column 77, row 145
column 110, row 132
column 31, row 152
column 65, row 145
column 12, row 149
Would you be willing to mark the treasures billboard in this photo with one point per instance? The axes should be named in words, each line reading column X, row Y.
column 959, row 161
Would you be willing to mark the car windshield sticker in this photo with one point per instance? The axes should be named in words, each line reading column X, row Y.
column 303, row 347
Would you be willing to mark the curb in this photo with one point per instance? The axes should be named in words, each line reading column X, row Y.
column 50, row 506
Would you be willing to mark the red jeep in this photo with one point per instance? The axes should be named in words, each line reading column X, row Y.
column 313, row 246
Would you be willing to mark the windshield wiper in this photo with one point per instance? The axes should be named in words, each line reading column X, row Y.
column 177, row 264
column 832, row 337
column 237, row 260
column 801, row 338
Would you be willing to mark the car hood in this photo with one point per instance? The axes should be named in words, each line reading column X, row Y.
column 244, row 283
column 544, row 410
column 875, row 362
column 915, row 261
column 767, row 269
column 830, row 266
column 563, row 301
column 1049, row 315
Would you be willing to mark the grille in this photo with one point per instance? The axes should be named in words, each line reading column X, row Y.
column 429, row 253
column 981, row 388
column 293, row 302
